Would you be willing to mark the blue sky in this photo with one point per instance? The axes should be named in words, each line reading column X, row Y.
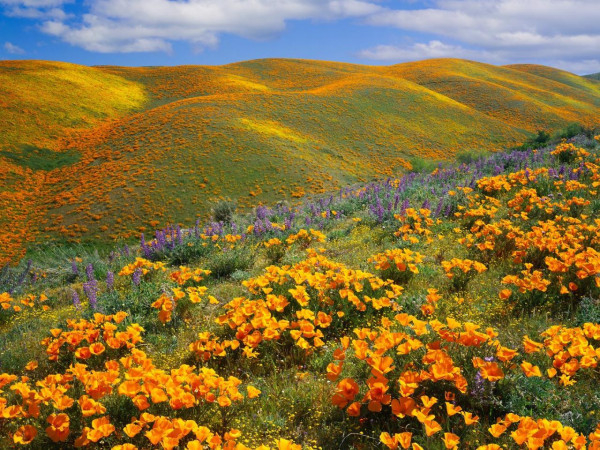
column 559, row 33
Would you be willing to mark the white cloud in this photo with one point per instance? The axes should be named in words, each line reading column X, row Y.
column 35, row 9
column 152, row 25
column 563, row 33
column 418, row 51
column 13, row 49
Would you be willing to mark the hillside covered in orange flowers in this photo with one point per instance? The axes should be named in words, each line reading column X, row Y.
column 100, row 153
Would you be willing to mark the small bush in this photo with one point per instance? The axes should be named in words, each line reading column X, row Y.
column 420, row 165
column 540, row 140
column 470, row 156
column 223, row 211
column 225, row 263
column 589, row 311
column 570, row 131
column 183, row 254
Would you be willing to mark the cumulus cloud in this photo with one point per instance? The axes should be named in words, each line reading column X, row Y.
column 431, row 49
column 561, row 33
column 152, row 25
column 35, row 9
column 558, row 32
column 13, row 49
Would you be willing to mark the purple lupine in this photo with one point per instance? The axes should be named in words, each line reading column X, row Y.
column 91, row 291
column 161, row 240
column 479, row 385
column 110, row 280
column 438, row 209
column 74, row 267
column 448, row 210
column 76, row 301
column 404, row 207
column 146, row 250
column 574, row 174
column 396, row 201
column 261, row 212
column 89, row 272
column 179, row 235
column 258, row 228
column 378, row 211
column 137, row 277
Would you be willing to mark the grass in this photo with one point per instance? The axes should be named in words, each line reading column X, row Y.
column 36, row 158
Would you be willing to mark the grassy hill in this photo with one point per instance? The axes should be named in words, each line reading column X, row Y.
column 456, row 308
column 144, row 147
column 593, row 76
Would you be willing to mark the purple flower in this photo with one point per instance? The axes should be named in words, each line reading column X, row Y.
column 146, row 251
column 479, row 385
column 74, row 268
column 438, row 209
column 137, row 277
column 76, row 300
column 91, row 291
column 110, row 280
column 89, row 272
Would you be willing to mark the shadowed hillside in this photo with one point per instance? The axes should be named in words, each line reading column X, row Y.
column 141, row 147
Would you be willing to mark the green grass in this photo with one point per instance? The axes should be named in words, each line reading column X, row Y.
column 41, row 158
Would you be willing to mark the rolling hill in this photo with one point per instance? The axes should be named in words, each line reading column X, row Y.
column 593, row 76
column 99, row 153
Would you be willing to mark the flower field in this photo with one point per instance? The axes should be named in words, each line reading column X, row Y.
column 122, row 151
column 458, row 308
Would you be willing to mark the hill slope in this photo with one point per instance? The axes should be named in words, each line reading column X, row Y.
column 175, row 139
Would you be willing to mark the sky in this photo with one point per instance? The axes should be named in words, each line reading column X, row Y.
column 558, row 33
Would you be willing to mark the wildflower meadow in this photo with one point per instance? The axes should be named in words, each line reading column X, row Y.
column 453, row 307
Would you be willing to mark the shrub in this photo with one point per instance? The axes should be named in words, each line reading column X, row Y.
column 185, row 253
column 540, row 140
column 589, row 311
column 420, row 165
column 570, row 131
column 223, row 211
column 470, row 156
column 225, row 263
